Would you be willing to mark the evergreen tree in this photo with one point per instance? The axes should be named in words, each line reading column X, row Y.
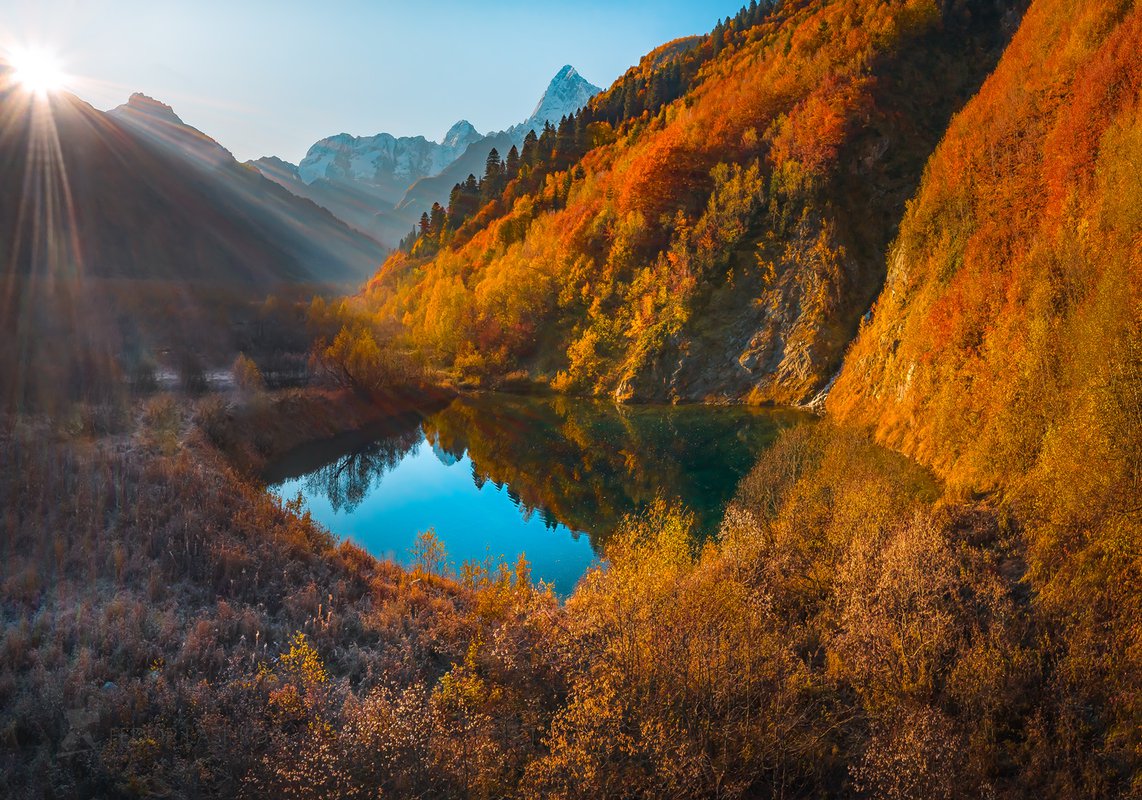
column 492, row 168
column 511, row 166
column 455, row 200
column 438, row 220
column 530, row 148
column 546, row 143
column 425, row 224
column 631, row 105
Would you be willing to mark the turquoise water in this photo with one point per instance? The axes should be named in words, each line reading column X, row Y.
column 497, row 476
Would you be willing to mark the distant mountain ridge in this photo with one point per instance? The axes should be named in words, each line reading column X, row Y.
column 384, row 161
column 154, row 198
column 381, row 184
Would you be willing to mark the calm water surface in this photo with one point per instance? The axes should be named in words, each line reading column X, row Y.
column 500, row 475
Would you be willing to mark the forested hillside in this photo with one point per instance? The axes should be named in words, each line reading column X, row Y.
column 723, row 244
column 1006, row 349
column 935, row 592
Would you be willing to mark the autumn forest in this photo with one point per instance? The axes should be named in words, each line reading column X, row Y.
column 902, row 239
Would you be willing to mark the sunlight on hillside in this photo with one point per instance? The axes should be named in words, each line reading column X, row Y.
column 768, row 425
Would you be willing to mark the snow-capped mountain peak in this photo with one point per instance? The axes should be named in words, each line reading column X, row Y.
column 381, row 158
column 381, row 184
column 460, row 135
column 567, row 92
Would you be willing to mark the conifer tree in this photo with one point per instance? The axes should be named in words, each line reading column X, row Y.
column 530, row 148
column 492, row 167
column 438, row 220
column 718, row 37
column 546, row 142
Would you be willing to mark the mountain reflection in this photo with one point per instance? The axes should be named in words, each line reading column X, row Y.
column 581, row 463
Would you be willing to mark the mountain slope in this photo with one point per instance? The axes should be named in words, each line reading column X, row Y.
column 325, row 248
column 1025, row 231
column 127, row 236
column 726, row 247
column 1006, row 352
column 422, row 194
column 147, row 197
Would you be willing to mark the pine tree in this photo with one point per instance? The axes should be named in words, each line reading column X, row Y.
column 565, row 142
column 455, row 201
column 438, row 220
column 546, row 143
column 511, row 166
column 425, row 224
column 493, row 168
column 631, row 105
column 530, row 148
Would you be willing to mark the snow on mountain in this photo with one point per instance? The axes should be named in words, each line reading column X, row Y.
column 384, row 159
column 567, row 92
column 460, row 135
column 380, row 184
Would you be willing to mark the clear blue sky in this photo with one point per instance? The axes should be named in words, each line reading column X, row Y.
column 270, row 78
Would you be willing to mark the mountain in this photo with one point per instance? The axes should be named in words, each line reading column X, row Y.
column 386, row 164
column 567, row 92
column 362, row 179
column 1008, row 338
column 382, row 184
column 722, row 245
column 158, row 122
column 129, row 231
column 150, row 197
column 1005, row 352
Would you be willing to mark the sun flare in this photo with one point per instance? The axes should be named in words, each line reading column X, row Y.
column 37, row 70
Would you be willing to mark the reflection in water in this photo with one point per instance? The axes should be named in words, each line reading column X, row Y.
column 587, row 463
column 347, row 480
column 344, row 469
column 519, row 474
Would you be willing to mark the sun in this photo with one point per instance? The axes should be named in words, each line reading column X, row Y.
column 37, row 70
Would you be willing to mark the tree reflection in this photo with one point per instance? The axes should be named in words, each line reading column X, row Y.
column 346, row 481
column 345, row 469
column 586, row 463
column 581, row 463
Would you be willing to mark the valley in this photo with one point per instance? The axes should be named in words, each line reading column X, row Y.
column 767, row 423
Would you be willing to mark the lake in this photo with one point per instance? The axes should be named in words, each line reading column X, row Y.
column 497, row 475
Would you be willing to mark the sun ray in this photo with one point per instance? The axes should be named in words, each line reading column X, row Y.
column 37, row 70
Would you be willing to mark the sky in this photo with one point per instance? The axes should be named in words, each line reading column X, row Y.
column 270, row 77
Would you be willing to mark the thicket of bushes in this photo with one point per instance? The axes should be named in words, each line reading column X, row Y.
column 854, row 631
